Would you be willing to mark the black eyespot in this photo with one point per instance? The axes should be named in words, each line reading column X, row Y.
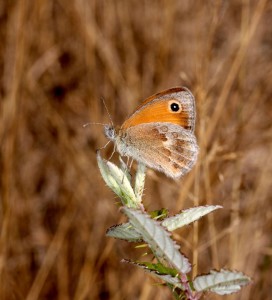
column 175, row 107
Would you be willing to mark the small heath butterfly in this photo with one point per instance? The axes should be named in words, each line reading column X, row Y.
column 160, row 133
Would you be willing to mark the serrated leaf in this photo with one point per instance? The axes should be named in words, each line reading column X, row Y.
column 221, row 282
column 104, row 170
column 158, row 239
column 168, row 275
column 117, row 180
column 188, row 216
column 139, row 182
column 123, row 182
column 124, row 232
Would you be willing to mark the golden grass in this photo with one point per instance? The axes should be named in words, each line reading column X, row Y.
column 58, row 58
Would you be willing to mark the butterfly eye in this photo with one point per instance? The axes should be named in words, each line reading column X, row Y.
column 175, row 106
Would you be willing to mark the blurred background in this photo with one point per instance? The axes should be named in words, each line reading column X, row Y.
column 57, row 59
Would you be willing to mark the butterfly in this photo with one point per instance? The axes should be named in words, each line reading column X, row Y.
column 160, row 133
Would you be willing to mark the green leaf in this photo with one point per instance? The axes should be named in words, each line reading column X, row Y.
column 117, row 180
column 159, row 214
column 168, row 275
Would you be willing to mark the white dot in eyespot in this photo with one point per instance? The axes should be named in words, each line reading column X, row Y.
column 174, row 106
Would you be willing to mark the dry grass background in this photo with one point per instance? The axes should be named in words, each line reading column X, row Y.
column 57, row 59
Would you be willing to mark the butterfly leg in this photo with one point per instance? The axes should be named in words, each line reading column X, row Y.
column 114, row 149
column 131, row 164
column 127, row 169
column 103, row 146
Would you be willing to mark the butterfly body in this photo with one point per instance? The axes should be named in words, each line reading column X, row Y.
column 159, row 133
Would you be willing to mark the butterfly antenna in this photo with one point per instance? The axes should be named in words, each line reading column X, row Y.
column 93, row 123
column 108, row 113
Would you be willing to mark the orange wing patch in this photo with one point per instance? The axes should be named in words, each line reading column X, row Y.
column 157, row 112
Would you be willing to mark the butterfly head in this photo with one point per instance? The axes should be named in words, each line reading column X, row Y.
column 110, row 132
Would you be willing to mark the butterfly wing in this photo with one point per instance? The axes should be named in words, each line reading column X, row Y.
column 166, row 147
column 157, row 108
